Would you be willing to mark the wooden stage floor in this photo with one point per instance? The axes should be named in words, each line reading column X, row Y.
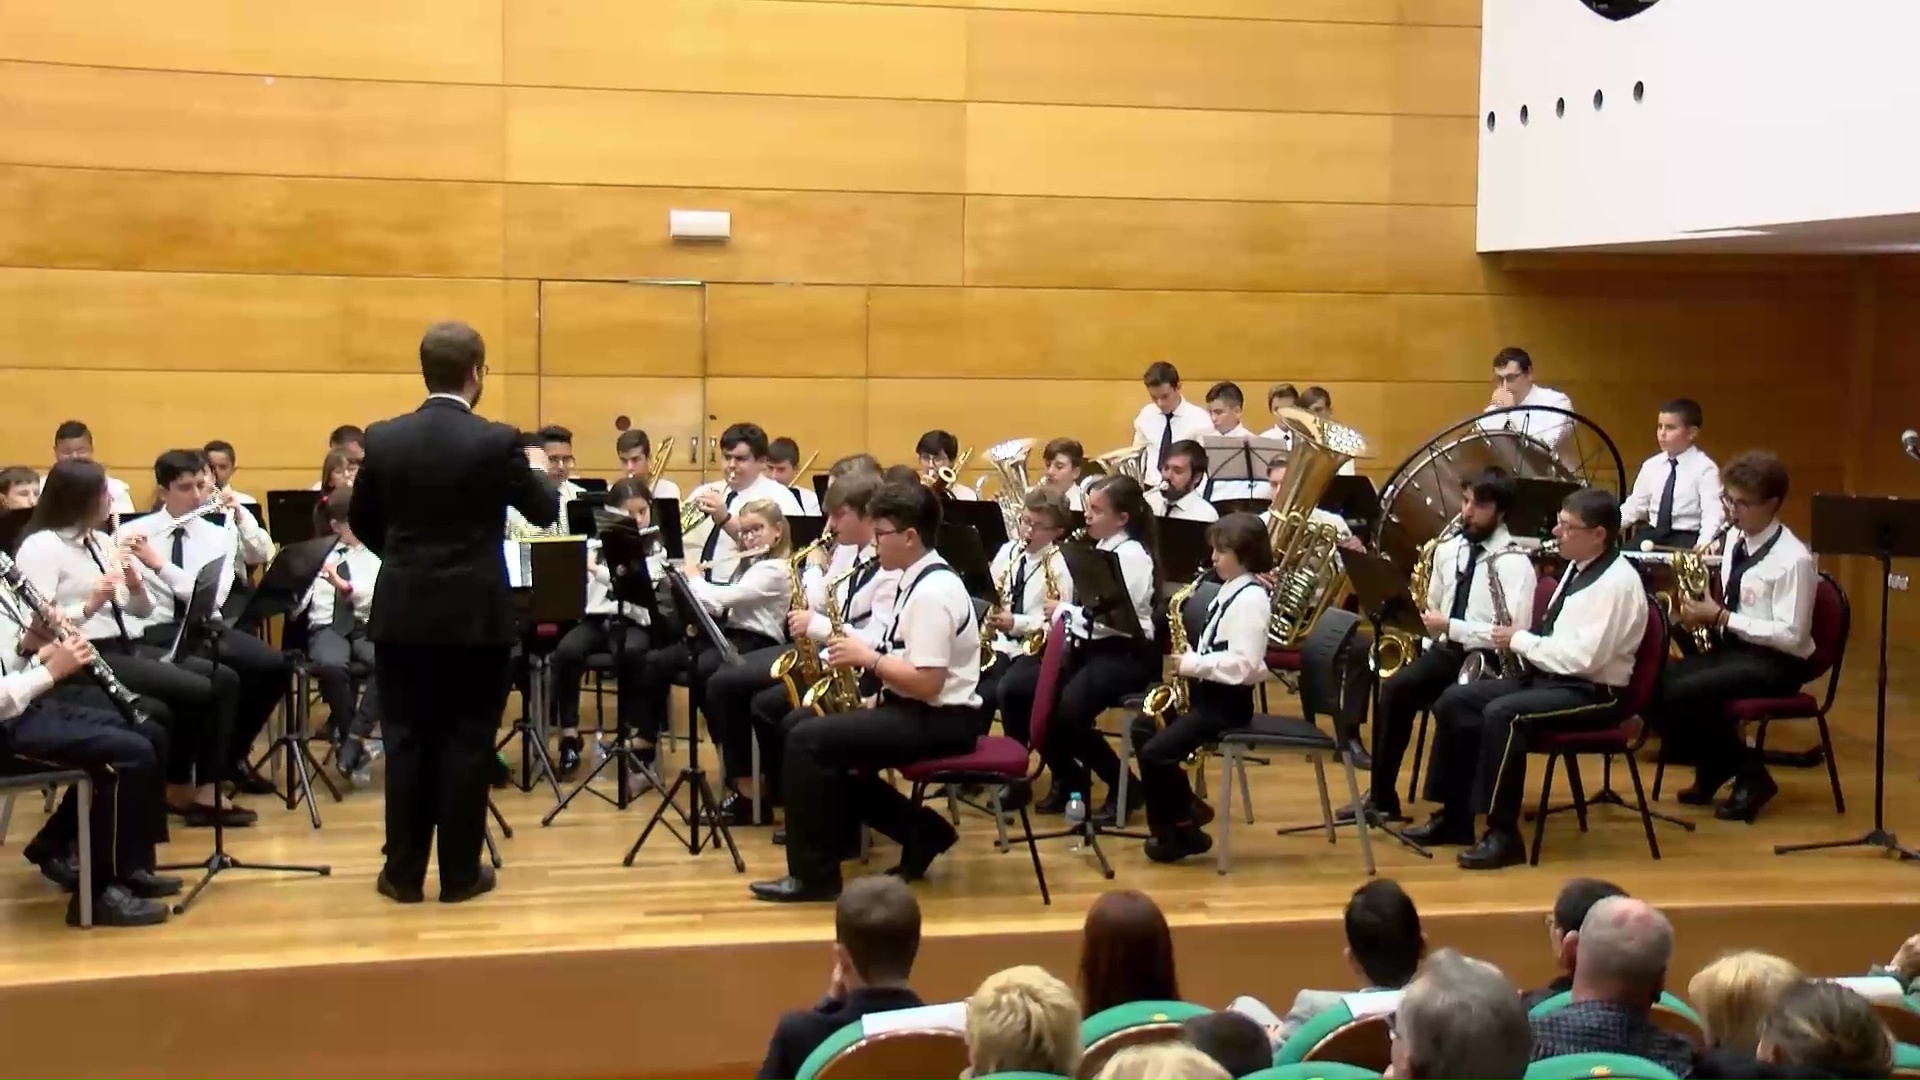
column 569, row 921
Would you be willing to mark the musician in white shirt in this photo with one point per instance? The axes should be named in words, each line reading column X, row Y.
column 636, row 458
column 1183, row 476
column 1165, row 419
column 1515, row 389
column 221, row 462
column 938, row 450
column 745, row 447
column 1281, row 396
column 556, row 443
column 1221, row 667
column 19, row 488
column 929, row 669
column 1062, row 464
column 336, row 610
column 1676, row 496
column 72, row 441
column 1318, row 401
column 1577, row 662
column 783, row 465
column 1225, row 403
column 1765, row 626
column 1026, row 569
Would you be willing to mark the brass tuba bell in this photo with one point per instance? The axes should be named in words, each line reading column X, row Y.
column 1126, row 461
column 1012, row 459
column 1307, row 570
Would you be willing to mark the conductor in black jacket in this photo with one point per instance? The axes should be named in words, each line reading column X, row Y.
column 431, row 501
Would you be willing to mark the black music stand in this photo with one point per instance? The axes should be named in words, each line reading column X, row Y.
column 579, row 516
column 820, row 483
column 1244, row 459
column 983, row 516
column 292, row 516
column 1353, row 500
column 804, row 529
column 590, row 485
column 555, row 573
column 1886, row 529
column 665, row 516
column 1183, row 550
column 965, row 551
column 201, row 625
column 702, row 807
column 1100, row 590
column 283, row 585
column 623, row 547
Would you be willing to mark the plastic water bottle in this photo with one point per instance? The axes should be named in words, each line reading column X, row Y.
column 1076, row 817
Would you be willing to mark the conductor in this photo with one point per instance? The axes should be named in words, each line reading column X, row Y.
column 431, row 501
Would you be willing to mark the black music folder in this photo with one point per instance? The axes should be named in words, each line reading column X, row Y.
column 666, row 517
column 580, row 512
column 1536, row 507
column 1183, row 549
column 961, row 547
column 983, row 516
column 806, row 528
column 594, row 484
column 1353, row 500
column 1100, row 589
column 292, row 516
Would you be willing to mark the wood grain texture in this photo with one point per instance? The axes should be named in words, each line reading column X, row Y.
column 738, row 46
column 786, row 330
column 821, row 414
column 593, row 328
column 1413, row 12
column 589, row 405
column 110, row 118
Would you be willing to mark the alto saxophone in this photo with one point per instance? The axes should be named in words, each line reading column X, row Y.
column 839, row 689
column 1397, row 648
column 1504, row 663
column 800, row 666
column 1169, row 698
column 1036, row 642
column 988, row 657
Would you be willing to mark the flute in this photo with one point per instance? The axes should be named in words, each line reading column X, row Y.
column 124, row 700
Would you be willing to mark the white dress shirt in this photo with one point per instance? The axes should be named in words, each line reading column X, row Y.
column 808, row 502
column 863, row 611
column 1776, row 592
column 518, row 524
column 22, row 678
column 252, row 543
column 755, row 600
column 1193, row 506
column 1190, row 421
column 718, row 545
column 1597, row 634
column 60, row 567
column 1076, row 497
column 1136, row 570
column 1232, row 648
column 1281, row 432
column 1696, row 492
column 363, row 569
column 171, row 587
column 664, row 488
column 1517, row 580
column 1548, row 427
column 1023, row 580
column 934, row 628
column 244, row 498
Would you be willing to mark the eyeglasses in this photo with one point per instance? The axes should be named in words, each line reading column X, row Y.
column 1734, row 503
column 879, row 533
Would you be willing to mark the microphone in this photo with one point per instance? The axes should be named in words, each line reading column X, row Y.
column 1910, row 442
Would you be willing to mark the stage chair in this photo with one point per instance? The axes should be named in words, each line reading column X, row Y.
column 1611, row 1066
column 1136, row 1023
column 1668, row 1003
column 1906, row 1060
column 16, row 776
column 1333, row 1035
column 851, row 1054
column 1314, row 1070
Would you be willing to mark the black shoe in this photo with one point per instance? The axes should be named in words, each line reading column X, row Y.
column 1177, row 844
column 1388, row 810
column 1108, row 816
column 249, row 782
column 349, row 757
column 148, row 885
column 1439, row 831
column 1705, row 786
column 792, row 890
column 569, row 761
column 1498, row 848
column 923, row 854
column 1203, row 813
column 201, row 816
column 481, row 885
column 1055, row 803
column 385, row 886
column 736, row 810
column 779, row 838
column 1749, row 795
column 115, row 906
column 62, row 870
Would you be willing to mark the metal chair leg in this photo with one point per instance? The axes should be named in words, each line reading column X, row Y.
column 1326, row 804
column 1228, row 755
column 1540, row 815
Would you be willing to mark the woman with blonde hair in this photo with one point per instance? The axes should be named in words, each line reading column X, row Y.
column 1023, row 1019
column 1733, row 995
column 1162, row 1061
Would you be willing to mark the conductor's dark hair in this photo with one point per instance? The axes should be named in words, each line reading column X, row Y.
column 71, row 429
column 1281, row 390
column 1383, row 930
column 1246, row 537
column 1161, row 373
column 174, row 464
column 1758, row 473
column 1494, row 485
column 907, row 506
column 633, row 439
column 554, row 433
column 1192, row 453
column 1596, row 508
column 1513, row 354
column 1228, row 392
column 753, row 435
column 1317, row 395
column 877, row 920
column 938, row 443
column 626, row 489
column 219, row 446
column 1577, row 897
column 784, row 451
column 450, row 354
column 349, row 433
column 1071, row 448
column 1235, row 1040
column 71, row 497
column 339, row 505
column 854, row 490
column 1125, row 495
column 1687, row 409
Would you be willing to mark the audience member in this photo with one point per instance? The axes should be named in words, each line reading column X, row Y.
column 1904, row 966
column 1823, row 1029
column 1620, row 957
column 1126, row 953
column 1733, row 995
column 1162, row 1061
column 1570, row 908
column 876, row 933
column 1235, row 1040
column 1460, row 1020
column 1023, row 1019
column 1384, row 947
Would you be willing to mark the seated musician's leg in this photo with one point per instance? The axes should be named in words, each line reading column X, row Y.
column 1459, row 716
column 565, row 667
column 1501, row 778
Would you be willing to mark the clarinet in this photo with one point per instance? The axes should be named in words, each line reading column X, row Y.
column 16, row 582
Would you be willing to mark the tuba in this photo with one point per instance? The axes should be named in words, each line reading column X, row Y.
column 1170, row 697
column 1011, row 459
column 800, row 667
column 1126, row 461
column 1308, row 574
column 1396, row 648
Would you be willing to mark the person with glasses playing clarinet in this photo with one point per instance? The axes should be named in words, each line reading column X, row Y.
column 1574, row 665
column 928, row 668
column 1765, row 627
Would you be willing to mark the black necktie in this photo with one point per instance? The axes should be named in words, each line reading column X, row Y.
column 1742, row 562
column 713, row 540
column 1569, row 585
column 342, row 603
column 180, row 547
column 1020, row 586
column 1664, row 520
column 1463, row 584
column 1166, row 442
column 859, row 581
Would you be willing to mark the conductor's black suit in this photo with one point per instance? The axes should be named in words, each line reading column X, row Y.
column 431, row 501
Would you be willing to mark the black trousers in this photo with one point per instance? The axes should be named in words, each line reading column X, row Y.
column 263, row 678
column 333, row 655
column 200, row 700
column 1215, row 709
column 989, row 691
column 1690, row 710
column 833, row 779
column 1014, row 689
column 128, row 810
column 1679, row 538
column 1414, row 687
column 1099, row 675
column 596, row 634
column 728, row 703
column 699, row 661
column 1480, row 744
column 440, row 707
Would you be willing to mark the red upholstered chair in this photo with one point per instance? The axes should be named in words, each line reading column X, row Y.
column 1002, row 759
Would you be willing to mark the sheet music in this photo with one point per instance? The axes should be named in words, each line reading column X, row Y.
column 946, row 1016
column 519, row 563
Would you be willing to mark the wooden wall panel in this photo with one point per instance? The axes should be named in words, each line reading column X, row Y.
column 110, row 118
column 247, row 224
column 1416, row 12
column 588, row 405
column 419, row 40
column 594, row 328
column 520, row 339
column 787, row 330
column 833, row 238
column 827, row 415
column 738, row 46
column 561, row 136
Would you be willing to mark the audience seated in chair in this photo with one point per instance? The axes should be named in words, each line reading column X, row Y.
column 1162, row 1061
column 1023, row 1019
column 1126, row 953
column 1236, row 1041
column 1620, row 958
column 1733, row 996
column 1570, row 908
column 1460, row 1020
column 1823, row 1029
column 876, row 933
column 1384, row 947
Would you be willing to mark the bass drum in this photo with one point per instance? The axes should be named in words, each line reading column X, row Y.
column 1423, row 494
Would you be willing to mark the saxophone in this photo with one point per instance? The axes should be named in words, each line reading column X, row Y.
column 988, row 657
column 1494, row 663
column 800, row 666
column 838, row 690
column 1398, row 648
column 1169, row 698
column 1036, row 642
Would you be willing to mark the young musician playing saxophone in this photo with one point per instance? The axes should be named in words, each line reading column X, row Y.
column 1766, row 635
column 1030, row 572
column 1223, row 666
column 928, row 666
column 1577, row 660
column 68, row 559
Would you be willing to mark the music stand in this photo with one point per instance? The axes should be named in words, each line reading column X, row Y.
column 554, row 572
column 1183, row 550
column 820, row 483
column 983, row 516
column 292, row 516
column 283, row 585
column 1354, row 500
column 665, row 516
column 579, row 512
column 590, row 485
column 201, row 625
column 1242, row 459
column 805, row 528
column 1100, row 590
column 1886, row 529
column 1256, row 507
column 962, row 548
column 701, row 805
column 1536, row 507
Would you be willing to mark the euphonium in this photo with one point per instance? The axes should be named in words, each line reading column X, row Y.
column 1169, row 698
column 800, row 666
column 1011, row 460
column 1398, row 648
column 1307, row 570
column 1126, row 461
column 1692, row 580
column 838, row 690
